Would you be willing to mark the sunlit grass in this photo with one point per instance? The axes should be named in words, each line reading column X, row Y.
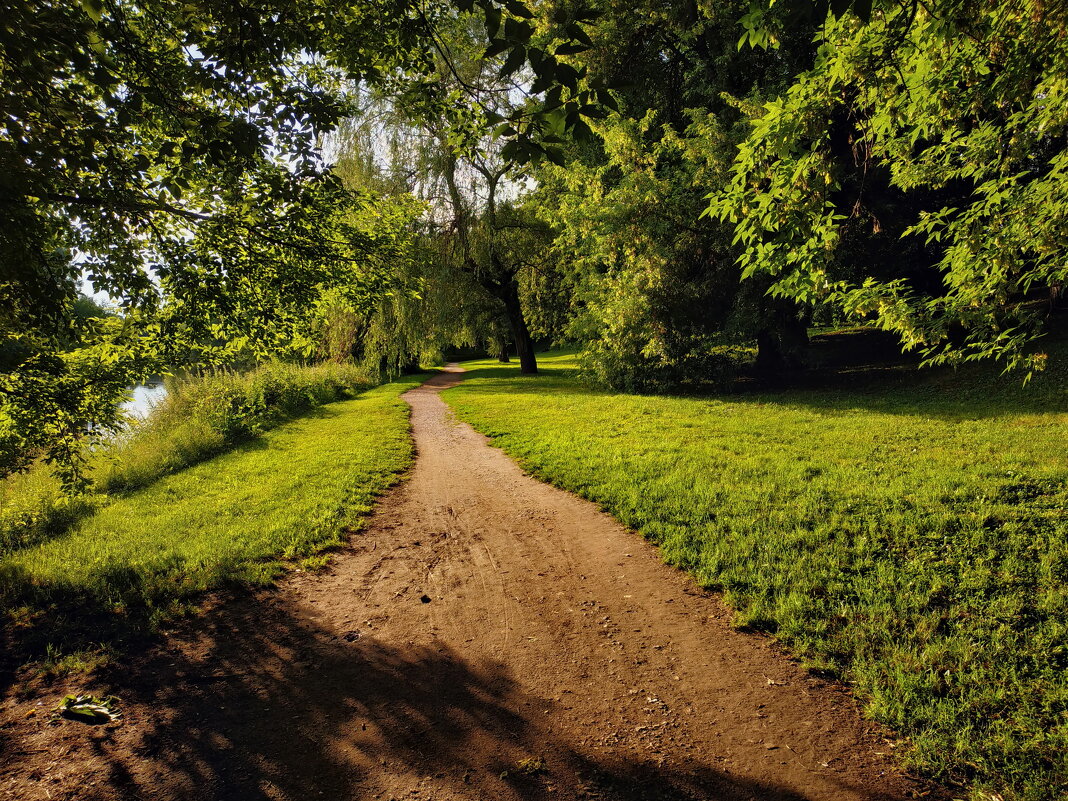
column 282, row 496
column 911, row 537
column 199, row 418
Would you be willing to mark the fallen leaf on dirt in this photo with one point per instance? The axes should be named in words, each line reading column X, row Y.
column 531, row 766
column 89, row 709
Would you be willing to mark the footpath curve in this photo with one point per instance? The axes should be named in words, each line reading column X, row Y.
column 486, row 636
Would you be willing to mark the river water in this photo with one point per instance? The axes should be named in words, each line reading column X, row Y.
column 143, row 397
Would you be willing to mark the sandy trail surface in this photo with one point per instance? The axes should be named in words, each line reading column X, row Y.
column 486, row 636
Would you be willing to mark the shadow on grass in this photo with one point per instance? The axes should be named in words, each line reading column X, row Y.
column 257, row 702
column 117, row 605
column 120, row 611
column 900, row 388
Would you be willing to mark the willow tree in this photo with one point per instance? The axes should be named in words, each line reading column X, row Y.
column 168, row 152
column 481, row 242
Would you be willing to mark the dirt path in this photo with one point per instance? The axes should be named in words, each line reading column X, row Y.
column 486, row 637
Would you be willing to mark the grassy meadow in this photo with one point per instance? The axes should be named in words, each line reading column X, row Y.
column 142, row 556
column 199, row 418
column 907, row 533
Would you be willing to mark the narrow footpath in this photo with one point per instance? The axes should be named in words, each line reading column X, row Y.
column 486, row 636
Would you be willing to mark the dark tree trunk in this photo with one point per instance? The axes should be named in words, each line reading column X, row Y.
column 524, row 346
column 502, row 349
column 528, row 363
column 1056, row 295
column 782, row 343
column 769, row 356
column 793, row 338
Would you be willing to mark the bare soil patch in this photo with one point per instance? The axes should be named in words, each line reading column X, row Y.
column 486, row 637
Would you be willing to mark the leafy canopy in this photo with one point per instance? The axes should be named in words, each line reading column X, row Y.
column 169, row 152
column 963, row 107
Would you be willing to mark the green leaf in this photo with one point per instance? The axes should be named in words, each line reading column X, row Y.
column 496, row 47
column 607, row 99
column 571, row 49
column 567, row 75
column 94, row 8
column 587, row 15
column 555, row 155
column 515, row 60
column 577, row 33
column 517, row 31
column 519, row 9
column 493, row 22
column 511, row 151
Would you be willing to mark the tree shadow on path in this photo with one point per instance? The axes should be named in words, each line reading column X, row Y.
column 255, row 701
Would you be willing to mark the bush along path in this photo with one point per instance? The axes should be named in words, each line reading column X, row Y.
column 485, row 636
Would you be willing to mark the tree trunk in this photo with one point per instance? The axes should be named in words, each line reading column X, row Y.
column 524, row 346
column 769, row 357
column 793, row 338
column 782, row 344
column 528, row 363
column 502, row 349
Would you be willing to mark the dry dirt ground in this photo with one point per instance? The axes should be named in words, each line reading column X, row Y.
column 486, row 637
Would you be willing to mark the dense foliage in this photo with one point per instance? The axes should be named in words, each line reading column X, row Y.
column 166, row 152
column 169, row 154
column 941, row 125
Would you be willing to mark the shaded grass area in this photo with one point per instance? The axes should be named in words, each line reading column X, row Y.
column 141, row 559
column 200, row 417
column 910, row 536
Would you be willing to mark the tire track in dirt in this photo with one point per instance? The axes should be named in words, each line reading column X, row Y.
column 486, row 636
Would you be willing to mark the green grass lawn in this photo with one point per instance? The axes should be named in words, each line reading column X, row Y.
column 910, row 536
column 284, row 495
column 200, row 417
